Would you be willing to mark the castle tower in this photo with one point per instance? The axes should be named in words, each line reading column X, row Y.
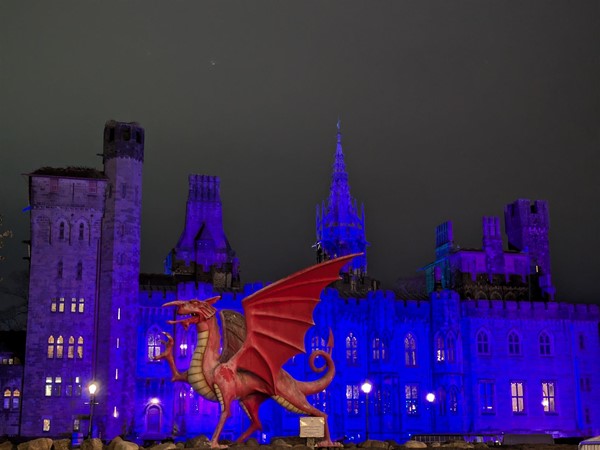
column 203, row 250
column 527, row 225
column 340, row 228
column 119, row 277
column 492, row 246
column 67, row 206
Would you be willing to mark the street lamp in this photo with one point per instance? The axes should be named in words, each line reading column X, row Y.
column 92, row 388
column 366, row 387
column 430, row 397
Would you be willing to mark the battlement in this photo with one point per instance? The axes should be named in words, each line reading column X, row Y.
column 204, row 188
column 531, row 309
column 123, row 140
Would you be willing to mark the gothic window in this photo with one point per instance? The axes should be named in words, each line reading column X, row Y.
column 450, row 348
column 483, row 343
column 410, row 350
column 69, row 387
column 514, row 343
column 81, row 305
column 61, row 304
column 442, row 401
column 59, row 347
column 352, row 399
column 180, row 403
column 440, row 350
column 59, row 270
column 79, row 270
column 194, row 407
column 153, row 419
column 53, row 305
column 77, row 387
column 453, row 400
column 79, row 347
column 517, row 397
column 57, row 388
column 51, row 344
column 351, row 349
column 318, row 343
column 81, row 231
column 545, row 346
column 7, row 396
column 16, row 399
column 48, row 388
column 411, row 394
column 71, row 348
column 73, row 305
column 153, row 343
column 61, row 231
column 319, row 400
column 549, row 396
column 383, row 401
column 46, row 425
column 487, row 393
column 379, row 350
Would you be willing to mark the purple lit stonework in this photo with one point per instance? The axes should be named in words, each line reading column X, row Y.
column 490, row 339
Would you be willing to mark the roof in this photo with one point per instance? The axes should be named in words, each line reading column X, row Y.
column 71, row 172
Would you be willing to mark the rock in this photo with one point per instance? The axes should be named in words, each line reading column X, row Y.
column 163, row 446
column 415, row 444
column 198, row 441
column 62, row 444
column 92, row 444
column 125, row 445
column 280, row 443
column 252, row 442
column 436, row 444
column 481, row 445
column 36, row 444
column 458, row 444
column 374, row 444
column 113, row 443
column 6, row 445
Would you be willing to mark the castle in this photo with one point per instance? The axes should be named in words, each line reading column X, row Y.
column 487, row 351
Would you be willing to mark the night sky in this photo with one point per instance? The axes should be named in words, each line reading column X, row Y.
column 449, row 109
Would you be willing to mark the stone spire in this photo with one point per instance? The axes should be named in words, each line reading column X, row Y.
column 340, row 227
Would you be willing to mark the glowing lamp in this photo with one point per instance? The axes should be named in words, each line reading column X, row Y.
column 366, row 387
column 430, row 397
column 154, row 401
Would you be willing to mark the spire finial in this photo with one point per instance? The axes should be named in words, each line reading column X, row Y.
column 339, row 130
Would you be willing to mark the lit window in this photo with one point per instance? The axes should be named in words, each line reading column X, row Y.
column 440, row 351
column 153, row 343
column 545, row 347
column 61, row 304
column 487, row 396
column 76, row 424
column 383, row 401
column 51, row 347
column 48, row 388
column 78, row 386
column 514, row 344
column 81, row 305
column 57, row 386
column 53, row 306
column 450, row 348
column 69, row 387
column 183, row 349
column 351, row 349
column 16, row 400
column 352, row 394
column 116, row 374
column 379, row 352
column 483, row 345
column 318, row 343
column 118, row 313
column 79, row 347
column 71, row 348
column 59, row 347
column 517, row 397
column 46, row 425
column 118, row 342
column 319, row 400
column 549, row 396
column 411, row 393
column 410, row 350
column 73, row 305
column 7, row 396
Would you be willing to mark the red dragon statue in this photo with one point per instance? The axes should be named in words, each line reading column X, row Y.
column 249, row 369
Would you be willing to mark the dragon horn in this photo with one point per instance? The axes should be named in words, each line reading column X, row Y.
column 174, row 303
column 213, row 300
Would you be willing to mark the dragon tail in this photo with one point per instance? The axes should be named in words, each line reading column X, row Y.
column 315, row 386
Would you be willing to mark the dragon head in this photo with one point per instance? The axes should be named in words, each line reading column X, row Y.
column 196, row 311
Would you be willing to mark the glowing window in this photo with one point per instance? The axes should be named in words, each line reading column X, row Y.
column 379, row 351
column 318, row 343
column 71, row 348
column 48, row 388
column 7, row 396
column 46, row 425
column 351, row 349
column 319, row 400
column 81, row 305
column 59, row 347
column 440, row 348
column 517, row 397
column 61, row 304
column 116, row 374
column 53, row 305
column 545, row 347
column 549, row 396
column 73, row 305
column 410, row 350
column 16, row 399
column 453, row 400
column 483, row 343
column 57, row 388
column 352, row 398
column 51, row 347
column 79, row 347
column 153, row 342
column 514, row 344
column 411, row 394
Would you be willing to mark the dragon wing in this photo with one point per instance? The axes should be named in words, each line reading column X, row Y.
column 279, row 315
column 234, row 333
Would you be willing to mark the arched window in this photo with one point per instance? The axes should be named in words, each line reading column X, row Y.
column 319, row 400
column 71, row 348
column 450, row 348
column 79, row 347
column 16, row 400
column 61, row 304
column 81, row 305
column 545, row 346
column 453, row 400
column 318, row 343
column 410, row 350
column 180, row 409
column 351, row 349
column 514, row 343
column 79, row 270
column 153, row 343
column 153, row 419
column 379, row 350
column 59, row 347
column 483, row 343
column 440, row 348
column 51, row 347
column 7, row 396
column 442, row 402
column 81, row 231
column 61, row 231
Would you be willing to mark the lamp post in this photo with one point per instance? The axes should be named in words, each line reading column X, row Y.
column 430, row 397
column 366, row 387
column 92, row 388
